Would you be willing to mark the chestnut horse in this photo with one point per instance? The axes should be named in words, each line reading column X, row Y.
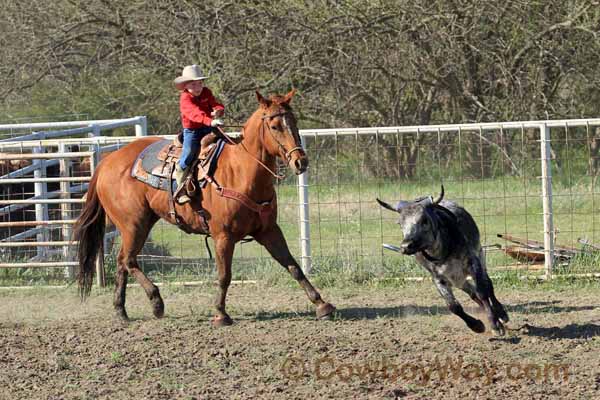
column 135, row 207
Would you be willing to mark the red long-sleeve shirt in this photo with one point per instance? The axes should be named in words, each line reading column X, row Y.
column 195, row 111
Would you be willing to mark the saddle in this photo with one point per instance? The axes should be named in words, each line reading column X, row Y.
column 154, row 166
column 156, row 163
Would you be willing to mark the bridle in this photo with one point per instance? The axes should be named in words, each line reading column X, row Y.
column 287, row 153
column 281, row 113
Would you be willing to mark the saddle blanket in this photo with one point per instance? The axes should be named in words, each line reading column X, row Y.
column 155, row 163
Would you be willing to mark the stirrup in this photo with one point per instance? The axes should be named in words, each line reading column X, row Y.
column 182, row 199
column 179, row 189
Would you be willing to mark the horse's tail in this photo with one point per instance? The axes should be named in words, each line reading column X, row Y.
column 89, row 231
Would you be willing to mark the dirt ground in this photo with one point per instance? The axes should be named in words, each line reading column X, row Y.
column 393, row 342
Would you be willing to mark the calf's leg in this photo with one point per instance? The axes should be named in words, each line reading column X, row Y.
column 454, row 306
column 469, row 289
column 498, row 308
column 484, row 291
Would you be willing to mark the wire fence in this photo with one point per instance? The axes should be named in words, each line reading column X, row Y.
column 496, row 171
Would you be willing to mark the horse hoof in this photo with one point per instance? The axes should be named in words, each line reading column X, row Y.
column 219, row 321
column 159, row 308
column 325, row 311
column 477, row 326
column 121, row 316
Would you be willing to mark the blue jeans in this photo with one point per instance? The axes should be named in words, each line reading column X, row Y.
column 191, row 144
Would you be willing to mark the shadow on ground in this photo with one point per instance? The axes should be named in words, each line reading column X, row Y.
column 356, row 313
column 534, row 307
column 542, row 307
column 571, row 331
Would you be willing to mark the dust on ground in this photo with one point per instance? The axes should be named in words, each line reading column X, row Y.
column 393, row 342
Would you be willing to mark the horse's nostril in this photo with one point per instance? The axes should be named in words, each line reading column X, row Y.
column 298, row 164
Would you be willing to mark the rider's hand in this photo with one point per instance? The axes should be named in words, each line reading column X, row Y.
column 216, row 122
column 217, row 113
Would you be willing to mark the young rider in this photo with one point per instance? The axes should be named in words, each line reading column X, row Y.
column 201, row 114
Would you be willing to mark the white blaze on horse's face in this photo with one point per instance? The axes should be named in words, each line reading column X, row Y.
column 298, row 160
column 280, row 125
column 288, row 140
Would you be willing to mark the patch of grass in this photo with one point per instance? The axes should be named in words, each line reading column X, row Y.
column 116, row 357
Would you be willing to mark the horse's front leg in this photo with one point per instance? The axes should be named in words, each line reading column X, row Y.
column 224, row 255
column 273, row 240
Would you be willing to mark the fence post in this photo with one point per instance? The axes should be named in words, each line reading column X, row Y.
column 141, row 128
column 65, row 209
column 547, row 199
column 41, row 191
column 304, row 219
column 94, row 160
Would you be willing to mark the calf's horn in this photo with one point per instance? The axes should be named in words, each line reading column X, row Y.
column 441, row 196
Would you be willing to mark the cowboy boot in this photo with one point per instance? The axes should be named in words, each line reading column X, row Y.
column 180, row 174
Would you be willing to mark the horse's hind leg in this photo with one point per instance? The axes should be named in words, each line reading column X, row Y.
column 158, row 306
column 224, row 254
column 120, row 288
column 133, row 238
column 274, row 241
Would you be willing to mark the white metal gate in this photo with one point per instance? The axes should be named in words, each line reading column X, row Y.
column 44, row 152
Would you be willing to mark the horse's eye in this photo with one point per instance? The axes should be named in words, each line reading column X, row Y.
column 276, row 127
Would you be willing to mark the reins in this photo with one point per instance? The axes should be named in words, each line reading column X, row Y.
column 287, row 153
column 263, row 209
column 277, row 176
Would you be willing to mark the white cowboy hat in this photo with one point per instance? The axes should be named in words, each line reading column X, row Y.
column 190, row 73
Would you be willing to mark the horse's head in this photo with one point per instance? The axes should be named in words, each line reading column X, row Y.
column 279, row 132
